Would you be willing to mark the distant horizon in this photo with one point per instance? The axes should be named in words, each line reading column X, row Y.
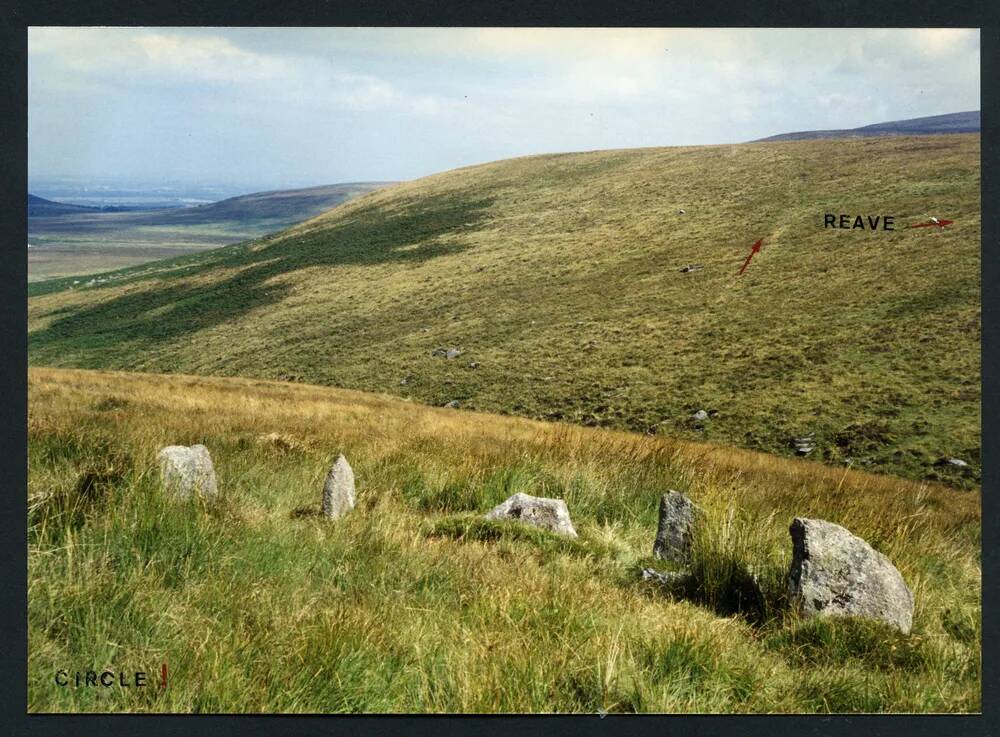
column 291, row 107
column 236, row 189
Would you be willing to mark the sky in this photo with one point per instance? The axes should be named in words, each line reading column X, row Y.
column 262, row 108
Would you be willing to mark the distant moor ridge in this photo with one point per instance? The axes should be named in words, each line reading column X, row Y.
column 558, row 287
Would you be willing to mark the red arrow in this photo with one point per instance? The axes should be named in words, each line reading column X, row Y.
column 755, row 249
column 932, row 223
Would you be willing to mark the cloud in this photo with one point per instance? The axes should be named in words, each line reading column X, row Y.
column 387, row 103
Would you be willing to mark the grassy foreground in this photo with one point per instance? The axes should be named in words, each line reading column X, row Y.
column 413, row 603
column 558, row 277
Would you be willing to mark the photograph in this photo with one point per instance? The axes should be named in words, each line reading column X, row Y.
column 503, row 370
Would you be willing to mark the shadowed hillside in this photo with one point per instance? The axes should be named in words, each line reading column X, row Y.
column 558, row 279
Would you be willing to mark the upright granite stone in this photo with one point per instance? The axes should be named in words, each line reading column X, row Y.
column 673, row 535
column 187, row 472
column 835, row 573
column 338, row 490
column 549, row 514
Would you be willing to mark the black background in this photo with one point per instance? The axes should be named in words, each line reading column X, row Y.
column 14, row 20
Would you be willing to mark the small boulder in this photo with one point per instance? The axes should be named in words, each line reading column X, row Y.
column 804, row 445
column 836, row 573
column 549, row 514
column 666, row 578
column 452, row 353
column 957, row 462
column 185, row 472
column 338, row 489
column 701, row 415
column 453, row 404
column 673, row 534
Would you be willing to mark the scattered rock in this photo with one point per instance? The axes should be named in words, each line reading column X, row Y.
column 185, row 471
column 701, row 415
column 673, row 534
column 452, row 353
column 404, row 381
column 474, row 365
column 338, row 489
column 680, row 212
column 835, row 573
column 691, row 267
column 668, row 578
column 279, row 441
column 549, row 514
column 453, row 404
column 804, row 445
column 957, row 462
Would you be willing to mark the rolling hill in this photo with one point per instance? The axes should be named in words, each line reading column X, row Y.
column 966, row 122
column 70, row 240
column 41, row 207
column 555, row 285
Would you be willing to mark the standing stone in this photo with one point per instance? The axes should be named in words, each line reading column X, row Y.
column 835, row 573
column 187, row 471
column 673, row 535
column 338, row 490
column 549, row 514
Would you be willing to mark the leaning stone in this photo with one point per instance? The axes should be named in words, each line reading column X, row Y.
column 549, row 514
column 185, row 472
column 338, row 490
column 836, row 573
column 673, row 535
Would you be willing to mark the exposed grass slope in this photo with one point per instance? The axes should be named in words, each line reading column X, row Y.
column 559, row 277
column 414, row 603
column 72, row 240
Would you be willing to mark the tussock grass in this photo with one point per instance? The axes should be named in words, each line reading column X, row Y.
column 414, row 603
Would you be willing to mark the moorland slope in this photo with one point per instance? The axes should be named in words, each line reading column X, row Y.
column 558, row 279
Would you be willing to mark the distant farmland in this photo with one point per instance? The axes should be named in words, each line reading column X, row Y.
column 68, row 240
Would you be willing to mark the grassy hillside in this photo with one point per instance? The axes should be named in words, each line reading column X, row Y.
column 69, row 240
column 413, row 603
column 558, row 277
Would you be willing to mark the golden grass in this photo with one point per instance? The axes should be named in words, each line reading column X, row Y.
column 408, row 605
